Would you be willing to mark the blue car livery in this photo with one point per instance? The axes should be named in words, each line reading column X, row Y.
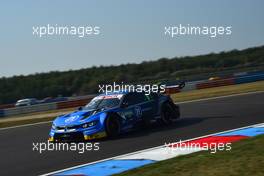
column 112, row 114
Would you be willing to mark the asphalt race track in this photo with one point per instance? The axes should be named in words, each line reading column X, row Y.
column 198, row 119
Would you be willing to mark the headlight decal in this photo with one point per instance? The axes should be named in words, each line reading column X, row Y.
column 89, row 124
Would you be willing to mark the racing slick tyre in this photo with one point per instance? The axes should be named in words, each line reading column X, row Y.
column 167, row 114
column 112, row 126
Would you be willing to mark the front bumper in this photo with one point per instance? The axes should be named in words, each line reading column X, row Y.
column 75, row 136
column 76, row 133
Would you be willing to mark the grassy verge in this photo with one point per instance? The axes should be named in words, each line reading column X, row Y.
column 245, row 158
column 218, row 91
column 183, row 96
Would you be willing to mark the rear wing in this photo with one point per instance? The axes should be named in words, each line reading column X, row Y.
column 179, row 85
column 174, row 88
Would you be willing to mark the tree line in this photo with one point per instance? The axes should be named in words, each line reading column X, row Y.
column 85, row 81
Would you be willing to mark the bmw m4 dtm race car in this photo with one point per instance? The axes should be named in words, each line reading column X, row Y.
column 112, row 114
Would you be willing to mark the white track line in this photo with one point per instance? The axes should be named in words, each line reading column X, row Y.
column 183, row 102
column 25, row 125
column 149, row 149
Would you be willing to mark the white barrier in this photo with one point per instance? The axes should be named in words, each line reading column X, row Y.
column 191, row 85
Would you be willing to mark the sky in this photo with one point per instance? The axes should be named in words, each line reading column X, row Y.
column 130, row 31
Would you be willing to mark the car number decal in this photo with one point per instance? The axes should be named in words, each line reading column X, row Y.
column 138, row 111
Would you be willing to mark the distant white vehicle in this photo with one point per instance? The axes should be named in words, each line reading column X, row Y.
column 26, row 102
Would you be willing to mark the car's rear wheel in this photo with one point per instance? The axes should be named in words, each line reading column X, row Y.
column 112, row 126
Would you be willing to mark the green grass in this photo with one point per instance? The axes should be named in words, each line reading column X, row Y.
column 245, row 158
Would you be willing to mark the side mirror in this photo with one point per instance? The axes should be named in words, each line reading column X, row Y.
column 80, row 108
column 124, row 105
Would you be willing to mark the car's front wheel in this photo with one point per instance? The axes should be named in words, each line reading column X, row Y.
column 112, row 126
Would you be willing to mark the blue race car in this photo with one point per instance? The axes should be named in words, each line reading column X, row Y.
column 112, row 114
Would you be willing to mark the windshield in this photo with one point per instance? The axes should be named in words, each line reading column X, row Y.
column 103, row 102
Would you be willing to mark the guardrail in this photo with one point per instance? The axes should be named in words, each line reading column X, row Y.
column 1, row 113
column 44, row 107
column 73, row 103
column 216, row 83
column 204, row 84
column 30, row 109
column 5, row 106
column 81, row 101
column 249, row 78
